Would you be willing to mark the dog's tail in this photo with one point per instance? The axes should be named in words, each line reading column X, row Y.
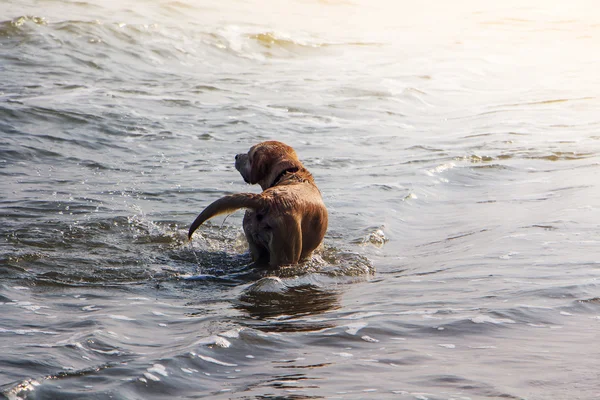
column 225, row 205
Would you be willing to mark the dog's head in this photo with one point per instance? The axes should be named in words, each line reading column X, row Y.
column 265, row 162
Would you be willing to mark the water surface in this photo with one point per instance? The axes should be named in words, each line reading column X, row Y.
column 457, row 147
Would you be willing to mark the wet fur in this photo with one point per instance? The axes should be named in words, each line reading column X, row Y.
column 287, row 221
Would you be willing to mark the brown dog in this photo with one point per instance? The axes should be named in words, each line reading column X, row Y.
column 287, row 221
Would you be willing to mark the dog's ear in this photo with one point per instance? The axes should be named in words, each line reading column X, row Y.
column 258, row 166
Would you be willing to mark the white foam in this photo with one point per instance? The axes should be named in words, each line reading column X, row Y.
column 28, row 385
column 369, row 339
column 537, row 325
column 568, row 314
column 154, row 378
column 355, row 327
column 270, row 284
column 481, row 319
column 121, row 317
column 214, row 340
column 158, row 369
column 232, row 333
column 440, row 168
column 27, row 331
column 215, row 361
column 187, row 370
column 343, row 354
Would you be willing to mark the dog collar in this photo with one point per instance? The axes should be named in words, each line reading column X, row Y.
column 282, row 174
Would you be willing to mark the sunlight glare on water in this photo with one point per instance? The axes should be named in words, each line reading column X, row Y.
column 456, row 146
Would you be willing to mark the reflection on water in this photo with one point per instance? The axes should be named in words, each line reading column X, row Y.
column 275, row 305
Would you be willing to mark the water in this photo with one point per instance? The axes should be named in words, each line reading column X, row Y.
column 457, row 147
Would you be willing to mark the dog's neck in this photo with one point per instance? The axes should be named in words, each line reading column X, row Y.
column 279, row 177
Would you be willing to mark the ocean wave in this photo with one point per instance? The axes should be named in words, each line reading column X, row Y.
column 158, row 43
column 265, row 44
